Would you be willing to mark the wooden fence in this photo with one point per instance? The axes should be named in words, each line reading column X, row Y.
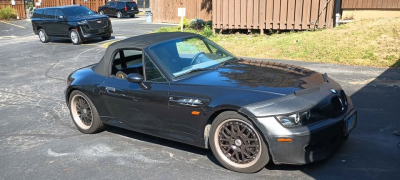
column 273, row 14
column 19, row 7
column 167, row 10
column 91, row 4
column 371, row 4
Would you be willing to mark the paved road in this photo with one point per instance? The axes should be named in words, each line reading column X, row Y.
column 39, row 141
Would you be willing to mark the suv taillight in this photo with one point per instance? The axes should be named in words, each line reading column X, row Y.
column 126, row 8
column 137, row 8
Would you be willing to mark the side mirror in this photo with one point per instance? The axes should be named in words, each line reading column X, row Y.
column 134, row 78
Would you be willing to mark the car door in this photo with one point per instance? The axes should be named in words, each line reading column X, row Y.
column 60, row 24
column 112, row 10
column 106, row 8
column 49, row 21
column 142, row 104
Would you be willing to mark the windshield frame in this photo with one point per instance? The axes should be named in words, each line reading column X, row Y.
column 183, row 75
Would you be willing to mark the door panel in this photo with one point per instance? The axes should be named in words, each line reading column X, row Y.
column 134, row 105
column 49, row 21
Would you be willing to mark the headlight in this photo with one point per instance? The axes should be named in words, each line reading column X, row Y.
column 295, row 119
column 84, row 22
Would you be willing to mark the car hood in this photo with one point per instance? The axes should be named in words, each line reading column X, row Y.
column 88, row 17
column 265, row 76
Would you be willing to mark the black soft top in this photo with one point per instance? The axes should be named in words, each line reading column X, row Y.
column 138, row 43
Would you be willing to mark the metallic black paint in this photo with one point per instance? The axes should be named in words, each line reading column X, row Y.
column 257, row 89
column 60, row 27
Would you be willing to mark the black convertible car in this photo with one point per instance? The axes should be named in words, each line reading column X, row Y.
column 183, row 87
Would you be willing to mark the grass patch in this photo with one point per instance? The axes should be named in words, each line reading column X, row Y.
column 7, row 13
column 367, row 43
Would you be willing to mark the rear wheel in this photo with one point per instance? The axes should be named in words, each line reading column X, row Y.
column 236, row 144
column 119, row 14
column 84, row 114
column 43, row 36
column 75, row 37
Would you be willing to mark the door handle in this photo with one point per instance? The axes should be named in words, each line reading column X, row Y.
column 110, row 89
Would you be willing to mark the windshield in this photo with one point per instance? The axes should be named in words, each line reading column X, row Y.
column 76, row 11
column 183, row 56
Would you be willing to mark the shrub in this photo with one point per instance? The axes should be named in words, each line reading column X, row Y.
column 186, row 22
column 196, row 23
column 207, row 32
column 7, row 13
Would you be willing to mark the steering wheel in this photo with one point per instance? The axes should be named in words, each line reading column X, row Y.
column 195, row 57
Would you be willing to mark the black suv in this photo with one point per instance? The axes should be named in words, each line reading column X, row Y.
column 119, row 9
column 74, row 22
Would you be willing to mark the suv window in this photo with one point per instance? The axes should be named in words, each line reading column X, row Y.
column 59, row 13
column 50, row 13
column 152, row 72
column 37, row 13
column 108, row 4
column 113, row 4
column 77, row 11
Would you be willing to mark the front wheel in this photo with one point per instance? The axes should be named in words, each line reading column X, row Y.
column 84, row 114
column 101, row 12
column 237, row 144
column 107, row 37
column 75, row 37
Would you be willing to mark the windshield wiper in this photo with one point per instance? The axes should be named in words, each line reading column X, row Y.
column 194, row 70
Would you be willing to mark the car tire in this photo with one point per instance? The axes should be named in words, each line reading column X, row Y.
column 227, row 147
column 106, row 37
column 101, row 12
column 43, row 36
column 84, row 114
column 132, row 16
column 119, row 15
column 75, row 37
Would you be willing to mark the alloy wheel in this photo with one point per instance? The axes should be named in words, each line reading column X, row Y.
column 74, row 37
column 238, row 143
column 101, row 12
column 81, row 112
column 42, row 36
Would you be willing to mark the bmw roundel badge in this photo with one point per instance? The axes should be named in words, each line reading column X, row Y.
column 333, row 91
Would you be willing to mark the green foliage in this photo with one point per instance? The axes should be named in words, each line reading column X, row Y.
column 196, row 23
column 7, row 13
column 186, row 22
column 207, row 31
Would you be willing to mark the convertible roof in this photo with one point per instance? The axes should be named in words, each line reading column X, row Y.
column 137, row 42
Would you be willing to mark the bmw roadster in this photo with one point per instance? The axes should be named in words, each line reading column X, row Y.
column 184, row 87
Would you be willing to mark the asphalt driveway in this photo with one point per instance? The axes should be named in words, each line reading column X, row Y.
column 39, row 141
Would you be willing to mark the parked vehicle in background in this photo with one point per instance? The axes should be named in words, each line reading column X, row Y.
column 119, row 9
column 74, row 22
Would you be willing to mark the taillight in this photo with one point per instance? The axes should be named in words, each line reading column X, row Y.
column 126, row 8
column 137, row 8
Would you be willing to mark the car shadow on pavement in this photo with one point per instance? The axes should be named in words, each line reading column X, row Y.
column 90, row 41
column 164, row 142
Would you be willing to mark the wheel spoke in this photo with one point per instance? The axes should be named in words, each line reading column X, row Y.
column 238, row 142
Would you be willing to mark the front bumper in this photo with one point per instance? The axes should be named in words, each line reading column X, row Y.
column 310, row 144
column 88, row 33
